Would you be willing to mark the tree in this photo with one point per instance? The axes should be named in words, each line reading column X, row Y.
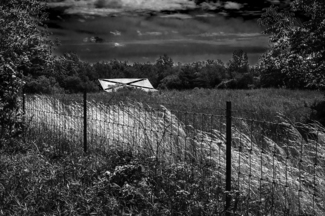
column 213, row 73
column 238, row 71
column 74, row 75
column 238, row 64
column 164, row 65
column 188, row 76
column 296, row 58
column 24, row 49
column 42, row 85
column 171, row 82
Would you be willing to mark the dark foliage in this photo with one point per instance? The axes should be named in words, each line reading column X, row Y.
column 297, row 53
column 71, row 75
column 24, row 49
column 113, row 183
column 318, row 113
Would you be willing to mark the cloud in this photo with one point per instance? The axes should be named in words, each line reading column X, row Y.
column 93, row 39
column 274, row 1
column 232, row 5
column 158, row 5
column 254, row 34
column 115, row 33
column 210, row 5
column 117, row 44
column 177, row 16
column 88, row 12
column 108, row 4
column 209, row 34
column 107, row 7
column 149, row 33
column 223, row 13
column 223, row 34
column 205, row 15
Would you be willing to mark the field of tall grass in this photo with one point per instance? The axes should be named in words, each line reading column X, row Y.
column 261, row 103
column 177, row 145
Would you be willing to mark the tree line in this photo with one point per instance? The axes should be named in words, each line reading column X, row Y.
column 71, row 75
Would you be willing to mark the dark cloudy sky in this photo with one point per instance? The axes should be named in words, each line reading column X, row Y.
column 141, row 30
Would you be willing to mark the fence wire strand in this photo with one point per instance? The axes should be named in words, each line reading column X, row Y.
column 277, row 168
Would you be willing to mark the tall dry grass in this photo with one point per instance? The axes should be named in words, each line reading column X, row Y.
column 276, row 167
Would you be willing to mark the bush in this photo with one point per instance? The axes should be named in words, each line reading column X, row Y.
column 245, row 81
column 73, row 84
column 318, row 112
column 110, row 183
column 42, row 85
column 25, row 48
column 171, row 82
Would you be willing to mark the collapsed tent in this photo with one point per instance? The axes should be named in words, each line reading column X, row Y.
column 111, row 85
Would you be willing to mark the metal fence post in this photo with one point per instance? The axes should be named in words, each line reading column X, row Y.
column 85, row 120
column 24, row 117
column 228, row 157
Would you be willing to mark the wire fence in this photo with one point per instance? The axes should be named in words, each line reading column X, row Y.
column 244, row 166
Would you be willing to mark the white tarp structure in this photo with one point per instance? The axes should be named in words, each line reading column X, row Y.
column 111, row 85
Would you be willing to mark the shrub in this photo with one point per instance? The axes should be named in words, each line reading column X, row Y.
column 318, row 112
column 42, row 85
column 25, row 48
column 171, row 82
column 245, row 81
